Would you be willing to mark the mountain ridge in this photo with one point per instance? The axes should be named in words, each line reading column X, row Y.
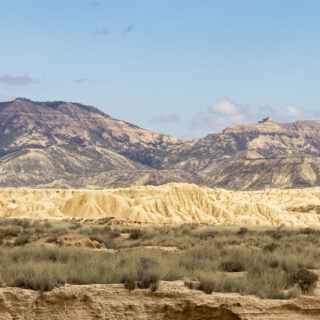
column 75, row 145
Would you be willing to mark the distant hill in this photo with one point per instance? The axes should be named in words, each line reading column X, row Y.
column 62, row 144
column 255, row 156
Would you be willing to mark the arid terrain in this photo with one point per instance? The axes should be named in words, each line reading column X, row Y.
column 62, row 144
column 159, row 160
column 167, row 204
column 101, row 219
column 63, row 269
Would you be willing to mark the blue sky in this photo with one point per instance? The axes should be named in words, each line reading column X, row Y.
column 185, row 68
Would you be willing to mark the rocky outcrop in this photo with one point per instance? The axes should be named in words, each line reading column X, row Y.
column 171, row 302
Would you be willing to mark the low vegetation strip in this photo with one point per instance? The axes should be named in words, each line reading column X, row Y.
column 269, row 263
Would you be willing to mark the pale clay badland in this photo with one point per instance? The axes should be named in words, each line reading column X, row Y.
column 171, row 203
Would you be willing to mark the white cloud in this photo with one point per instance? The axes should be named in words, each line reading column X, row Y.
column 225, row 112
column 225, row 107
column 295, row 112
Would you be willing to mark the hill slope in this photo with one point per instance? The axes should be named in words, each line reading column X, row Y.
column 69, row 144
column 266, row 154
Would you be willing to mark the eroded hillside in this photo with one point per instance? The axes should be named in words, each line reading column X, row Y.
column 61, row 144
column 70, row 144
column 171, row 203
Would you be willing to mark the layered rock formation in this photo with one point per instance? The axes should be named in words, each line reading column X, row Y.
column 171, row 302
column 255, row 156
column 171, row 203
column 60, row 144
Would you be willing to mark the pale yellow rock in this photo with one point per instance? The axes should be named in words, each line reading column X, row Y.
column 172, row 203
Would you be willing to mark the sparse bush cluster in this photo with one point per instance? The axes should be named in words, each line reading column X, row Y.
column 269, row 263
column 145, row 275
column 305, row 279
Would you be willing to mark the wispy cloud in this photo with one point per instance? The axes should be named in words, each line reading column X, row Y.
column 225, row 107
column 12, row 80
column 165, row 119
column 130, row 28
column 102, row 32
column 81, row 80
column 226, row 112
column 95, row 4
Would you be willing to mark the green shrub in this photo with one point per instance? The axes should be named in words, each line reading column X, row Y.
column 305, row 279
column 129, row 282
column 243, row 231
column 52, row 239
column 267, row 283
column 31, row 278
column 10, row 231
column 217, row 282
column 207, row 286
column 22, row 240
column 232, row 266
column 113, row 234
column 206, row 254
column 149, row 280
column 136, row 234
column 271, row 247
column 193, row 285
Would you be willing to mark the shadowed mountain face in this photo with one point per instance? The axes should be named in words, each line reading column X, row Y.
column 69, row 144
